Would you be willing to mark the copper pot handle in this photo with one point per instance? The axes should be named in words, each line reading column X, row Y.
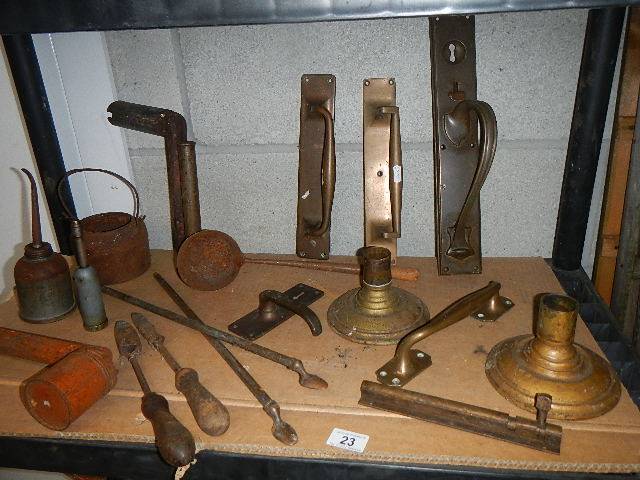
column 134, row 192
column 328, row 170
column 395, row 169
column 457, row 125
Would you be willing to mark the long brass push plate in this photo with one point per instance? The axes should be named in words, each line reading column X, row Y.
column 317, row 166
column 461, row 162
column 382, row 164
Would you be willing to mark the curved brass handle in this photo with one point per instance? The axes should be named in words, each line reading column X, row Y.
column 328, row 170
column 485, row 304
column 395, row 169
column 268, row 300
column 457, row 126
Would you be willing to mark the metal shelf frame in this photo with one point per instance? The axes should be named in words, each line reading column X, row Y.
column 20, row 19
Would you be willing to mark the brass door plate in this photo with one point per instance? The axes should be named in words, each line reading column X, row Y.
column 316, row 91
column 376, row 93
column 251, row 326
column 453, row 79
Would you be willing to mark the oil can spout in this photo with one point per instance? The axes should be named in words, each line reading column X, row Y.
column 36, row 232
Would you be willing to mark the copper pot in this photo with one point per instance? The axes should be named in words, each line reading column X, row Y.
column 117, row 243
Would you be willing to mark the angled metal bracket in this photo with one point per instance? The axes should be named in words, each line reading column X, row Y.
column 382, row 165
column 317, row 166
column 461, row 162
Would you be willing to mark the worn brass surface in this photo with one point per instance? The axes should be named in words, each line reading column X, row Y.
column 461, row 164
column 43, row 283
column 581, row 383
column 377, row 313
column 382, row 163
column 275, row 307
column 536, row 433
column 317, row 166
column 485, row 304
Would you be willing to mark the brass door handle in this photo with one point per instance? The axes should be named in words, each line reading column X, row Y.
column 270, row 299
column 457, row 125
column 485, row 304
column 395, row 169
column 328, row 170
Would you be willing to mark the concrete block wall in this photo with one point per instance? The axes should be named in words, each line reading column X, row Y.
column 239, row 88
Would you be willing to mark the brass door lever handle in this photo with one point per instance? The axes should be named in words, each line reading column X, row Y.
column 328, row 170
column 269, row 300
column 395, row 169
column 457, row 125
column 485, row 304
column 276, row 307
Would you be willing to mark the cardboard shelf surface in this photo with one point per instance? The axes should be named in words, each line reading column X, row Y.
column 605, row 444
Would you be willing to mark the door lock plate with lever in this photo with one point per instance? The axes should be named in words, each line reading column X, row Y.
column 382, row 165
column 275, row 307
column 461, row 162
column 317, row 166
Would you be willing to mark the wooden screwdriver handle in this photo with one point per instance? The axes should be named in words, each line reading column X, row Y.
column 175, row 443
column 210, row 414
column 398, row 273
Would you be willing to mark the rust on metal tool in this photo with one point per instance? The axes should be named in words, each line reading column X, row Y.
column 317, row 166
column 43, row 281
column 382, row 156
column 209, row 260
column 485, row 304
column 76, row 376
column 210, row 414
column 276, row 307
column 280, row 429
column 461, row 163
column 537, row 434
column 175, row 443
column 305, row 379
column 117, row 243
column 173, row 128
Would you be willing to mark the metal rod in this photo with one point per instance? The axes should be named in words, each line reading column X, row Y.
column 463, row 416
column 281, row 430
column 599, row 54
column 22, row 59
column 140, row 375
column 305, row 379
column 190, row 192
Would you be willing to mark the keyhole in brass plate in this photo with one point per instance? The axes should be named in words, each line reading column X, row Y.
column 454, row 51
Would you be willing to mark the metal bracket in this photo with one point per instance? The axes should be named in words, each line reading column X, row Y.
column 382, row 164
column 275, row 308
column 461, row 164
column 317, row 166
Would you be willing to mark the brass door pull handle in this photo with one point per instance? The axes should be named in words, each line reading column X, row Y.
column 395, row 169
column 485, row 304
column 457, row 125
column 328, row 171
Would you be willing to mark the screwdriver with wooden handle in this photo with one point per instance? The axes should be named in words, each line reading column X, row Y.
column 210, row 414
column 175, row 443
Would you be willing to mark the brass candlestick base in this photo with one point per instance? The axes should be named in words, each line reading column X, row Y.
column 376, row 313
column 581, row 383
